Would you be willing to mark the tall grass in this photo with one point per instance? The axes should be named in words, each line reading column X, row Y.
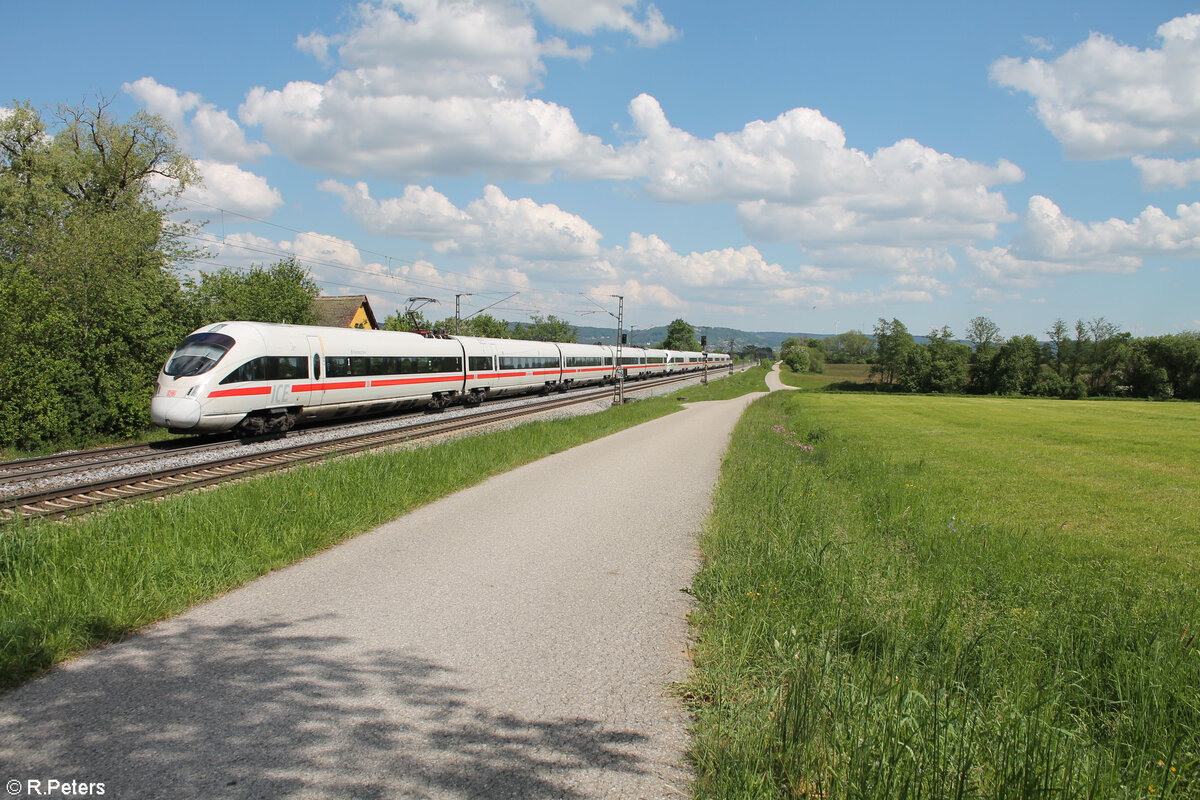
column 71, row 585
column 68, row 586
column 951, row 597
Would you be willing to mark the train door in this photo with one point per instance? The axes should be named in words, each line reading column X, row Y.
column 316, row 366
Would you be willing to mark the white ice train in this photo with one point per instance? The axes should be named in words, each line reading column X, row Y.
column 253, row 377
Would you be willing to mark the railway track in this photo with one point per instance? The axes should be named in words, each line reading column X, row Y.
column 154, row 482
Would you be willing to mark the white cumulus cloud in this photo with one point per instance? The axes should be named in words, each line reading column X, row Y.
column 210, row 129
column 425, row 88
column 795, row 179
column 616, row 15
column 1103, row 99
column 493, row 224
column 651, row 257
column 231, row 188
column 1167, row 173
column 1052, row 244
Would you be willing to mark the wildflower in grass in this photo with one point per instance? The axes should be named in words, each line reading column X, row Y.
column 953, row 526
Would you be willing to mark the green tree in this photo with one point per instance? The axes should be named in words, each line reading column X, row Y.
column 850, row 347
column 984, row 336
column 404, row 321
column 1059, row 339
column 897, row 357
column 483, row 325
column 87, row 258
column 680, row 336
column 280, row 292
column 1017, row 366
column 793, row 353
column 546, row 329
column 946, row 363
column 1178, row 355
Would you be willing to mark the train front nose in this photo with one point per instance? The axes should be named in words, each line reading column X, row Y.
column 176, row 413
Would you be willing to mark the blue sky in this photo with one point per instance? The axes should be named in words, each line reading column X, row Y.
column 761, row 165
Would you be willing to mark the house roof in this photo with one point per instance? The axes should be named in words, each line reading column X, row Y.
column 339, row 311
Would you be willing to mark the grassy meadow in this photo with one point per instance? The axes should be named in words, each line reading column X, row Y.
column 67, row 586
column 834, row 373
column 935, row 597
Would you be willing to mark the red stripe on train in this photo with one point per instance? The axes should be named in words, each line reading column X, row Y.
column 407, row 381
column 245, row 391
column 317, row 387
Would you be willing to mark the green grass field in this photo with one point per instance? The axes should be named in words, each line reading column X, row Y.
column 951, row 597
column 67, row 586
column 834, row 373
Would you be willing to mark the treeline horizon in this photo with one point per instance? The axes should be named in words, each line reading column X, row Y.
column 1091, row 359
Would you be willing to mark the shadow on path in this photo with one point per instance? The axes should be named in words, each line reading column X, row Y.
column 263, row 710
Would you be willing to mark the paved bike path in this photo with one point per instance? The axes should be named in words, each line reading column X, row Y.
column 512, row 640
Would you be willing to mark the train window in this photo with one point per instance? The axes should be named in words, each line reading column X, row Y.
column 269, row 368
column 529, row 362
column 479, row 363
column 337, row 366
column 199, row 353
column 362, row 366
column 583, row 361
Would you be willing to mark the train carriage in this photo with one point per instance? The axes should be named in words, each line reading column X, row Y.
column 254, row 378
column 587, row 363
column 257, row 377
column 509, row 366
column 656, row 362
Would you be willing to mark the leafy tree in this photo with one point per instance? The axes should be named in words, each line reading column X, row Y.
column 680, row 336
column 1178, row 355
column 281, row 292
column 1079, row 350
column 982, row 332
column 816, row 355
column 793, row 353
column 897, row 359
column 487, row 326
column 1016, row 366
column 753, row 352
column 1108, row 348
column 87, row 253
column 946, row 362
column 850, row 347
column 415, row 321
column 1059, row 337
column 984, row 336
column 546, row 329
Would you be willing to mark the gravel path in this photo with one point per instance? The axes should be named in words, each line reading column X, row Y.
column 774, row 382
column 512, row 640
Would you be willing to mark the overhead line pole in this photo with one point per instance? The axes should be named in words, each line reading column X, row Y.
column 619, row 399
column 619, row 396
column 456, row 310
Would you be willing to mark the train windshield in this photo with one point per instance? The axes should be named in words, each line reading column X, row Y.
column 199, row 353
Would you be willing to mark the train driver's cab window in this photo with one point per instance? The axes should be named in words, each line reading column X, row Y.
column 199, row 353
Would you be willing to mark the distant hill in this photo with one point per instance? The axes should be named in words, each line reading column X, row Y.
column 718, row 338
